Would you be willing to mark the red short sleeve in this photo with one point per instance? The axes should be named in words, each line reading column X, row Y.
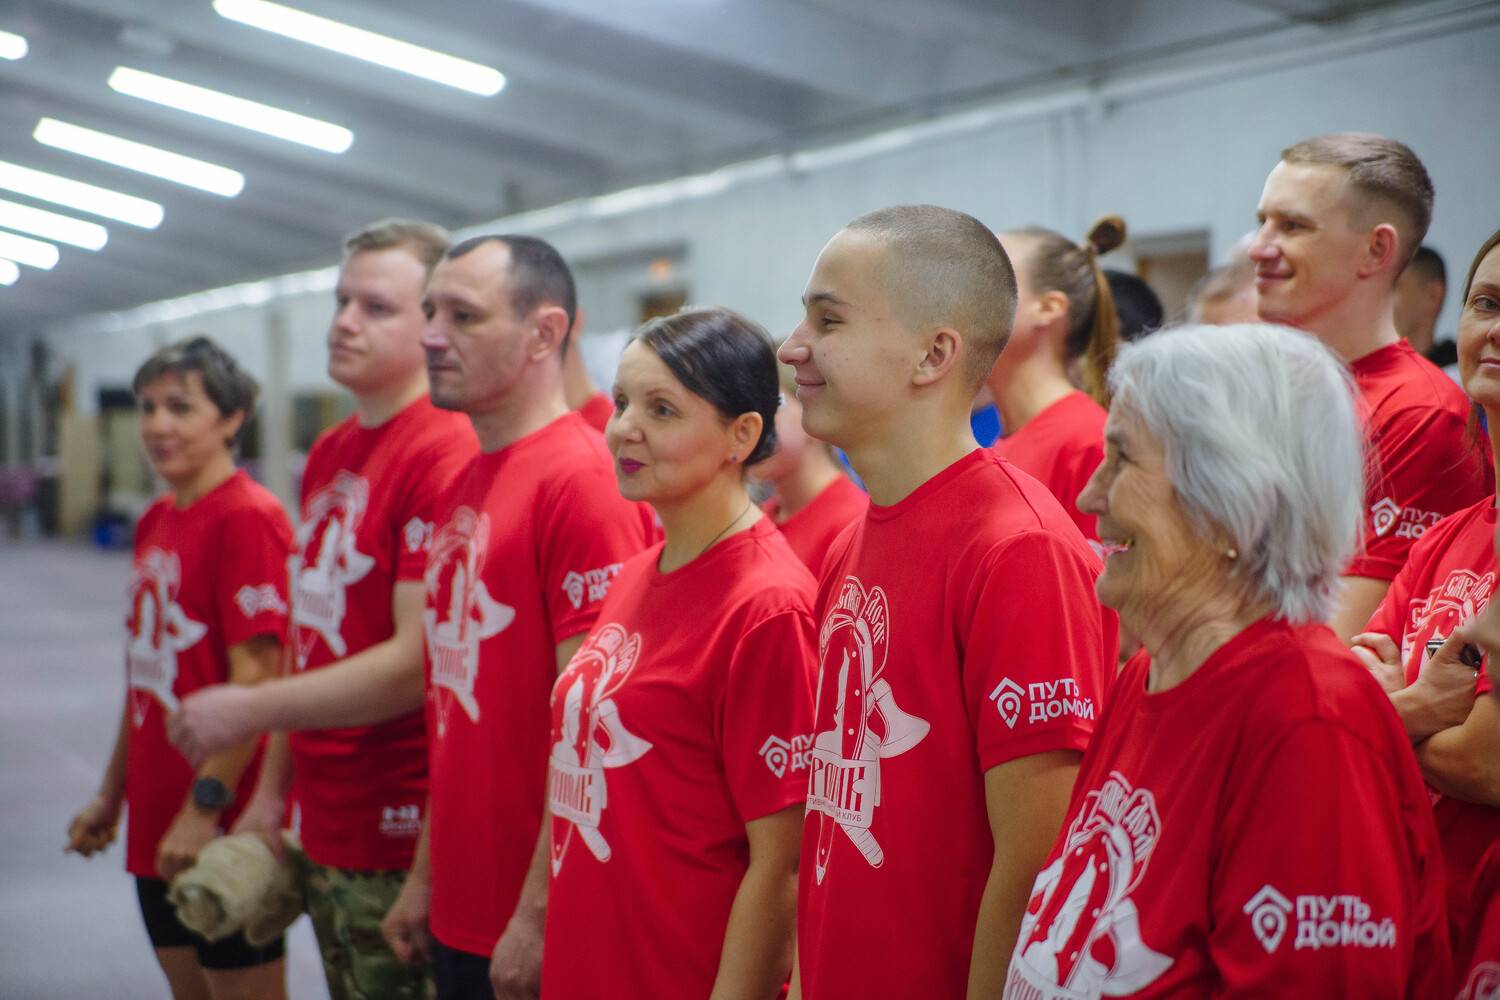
column 1344, row 913
column 414, row 521
column 1039, row 650
column 250, row 587
column 588, row 533
column 1425, row 470
column 767, row 715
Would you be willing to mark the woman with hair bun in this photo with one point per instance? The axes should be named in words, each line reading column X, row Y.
column 679, row 758
column 208, row 604
column 1065, row 318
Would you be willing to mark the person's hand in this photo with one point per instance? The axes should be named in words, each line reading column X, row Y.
column 1483, row 633
column 1380, row 656
column 263, row 815
column 405, row 925
column 95, row 826
column 179, row 847
column 516, row 965
column 1446, row 683
column 212, row 719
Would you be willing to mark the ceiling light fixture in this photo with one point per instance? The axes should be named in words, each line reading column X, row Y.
column 232, row 110
column 9, row 272
column 50, row 225
column 24, row 250
column 382, row 50
column 170, row 166
column 76, row 194
column 13, row 47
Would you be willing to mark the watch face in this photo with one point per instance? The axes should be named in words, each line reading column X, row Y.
column 210, row 793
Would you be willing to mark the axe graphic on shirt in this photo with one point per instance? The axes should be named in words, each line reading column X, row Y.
column 846, row 757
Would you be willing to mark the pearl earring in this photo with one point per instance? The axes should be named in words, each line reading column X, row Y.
column 1232, row 553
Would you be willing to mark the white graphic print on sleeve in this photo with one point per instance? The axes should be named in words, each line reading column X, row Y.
column 1081, row 935
column 455, row 570
column 588, row 736
column 158, row 629
column 1483, row 983
column 591, row 586
column 858, row 723
column 330, row 522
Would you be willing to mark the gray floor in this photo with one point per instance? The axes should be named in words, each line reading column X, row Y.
column 70, row 928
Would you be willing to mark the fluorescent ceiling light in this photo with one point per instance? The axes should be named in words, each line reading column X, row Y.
column 76, row 194
column 137, row 156
column 12, row 47
column 231, row 110
column 32, row 253
column 9, row 272
column 367, row 45
column 64, row 229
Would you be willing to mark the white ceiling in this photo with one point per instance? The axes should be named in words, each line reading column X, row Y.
column 600, row 94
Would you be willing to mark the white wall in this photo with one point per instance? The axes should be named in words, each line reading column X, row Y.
column 1169, row 158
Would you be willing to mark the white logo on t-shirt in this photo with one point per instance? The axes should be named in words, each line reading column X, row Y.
column 459, row 551
column 1483, row 983
column 1268, row 910
column 331, row 518
column 158, row 630
column 1408, row 522
column 589, row 737
column 844, row 787
column 1044, row 701
column 779, row 754
column 254, row 601
column 1080, row 933
column 417, row 534
column 1383, row 516
column 592, row 586
column 401, row 821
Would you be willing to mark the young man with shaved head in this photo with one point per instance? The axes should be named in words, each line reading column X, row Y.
column 1340, row 216
column 963, row 654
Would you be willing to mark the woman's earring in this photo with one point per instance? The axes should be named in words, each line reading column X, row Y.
column 1232, row 553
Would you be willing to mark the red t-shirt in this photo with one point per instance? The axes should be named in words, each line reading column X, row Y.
column 597, row 410
column 1479, row 963
column 669, row 734
column 1061, row 446
column 206, row 577
column 811, row 531
column 532, row 537
column 959, row 631
column 1426, row 463
column 1448, row 579
column 1258, row 830
column 368, row 498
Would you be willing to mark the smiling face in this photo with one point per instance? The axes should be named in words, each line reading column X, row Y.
column 1309, row 249
column 182, row 429
column 852, row 354
column 1155, row 557
column 1479, row 335
column 477, row 347
column 669, row 443
column 375, row 336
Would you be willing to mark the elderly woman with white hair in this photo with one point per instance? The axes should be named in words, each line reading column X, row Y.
column 1248, row 819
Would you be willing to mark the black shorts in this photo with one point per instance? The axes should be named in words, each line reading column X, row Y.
column 166, row 931
column 460, row 975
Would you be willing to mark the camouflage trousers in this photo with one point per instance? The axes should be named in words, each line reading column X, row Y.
column 346, row 908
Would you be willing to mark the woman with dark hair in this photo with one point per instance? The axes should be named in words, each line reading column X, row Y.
column 208, row 603
column 679, row 765
column 1065, row 320
column 1410, row 644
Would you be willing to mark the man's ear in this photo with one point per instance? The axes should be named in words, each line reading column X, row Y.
column 551, row 328
column 231, row 424
column 1381, row 247
column 944, row 345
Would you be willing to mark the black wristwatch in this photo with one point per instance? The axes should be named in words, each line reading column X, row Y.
column 211, row 794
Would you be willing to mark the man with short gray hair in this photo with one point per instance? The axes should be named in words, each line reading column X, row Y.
column 1340, row 216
